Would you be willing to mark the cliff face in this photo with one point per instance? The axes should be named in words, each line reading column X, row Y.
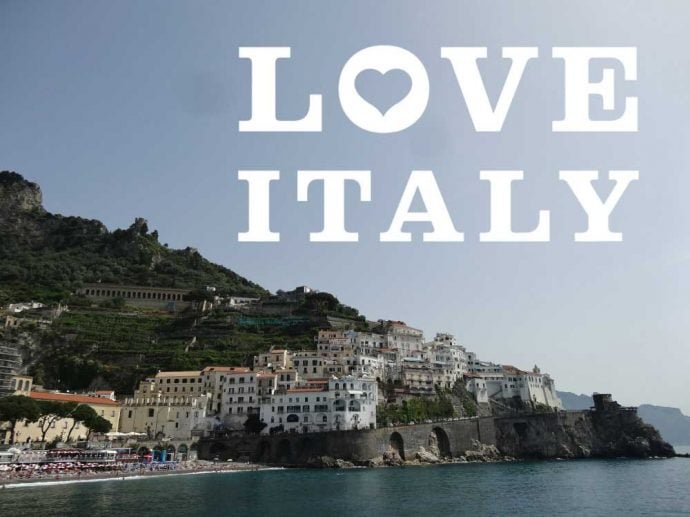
column 607, row 432
column 18, row 195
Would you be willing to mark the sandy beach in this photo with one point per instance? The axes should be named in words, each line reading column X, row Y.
column 16, row 480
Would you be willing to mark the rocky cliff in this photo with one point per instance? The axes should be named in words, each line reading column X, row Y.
column 673, row 425
column 18, row 195
column 608, row 431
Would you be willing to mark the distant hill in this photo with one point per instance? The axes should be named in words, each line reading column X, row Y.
column 44, row 256
column 575, row 402
column 673, row 425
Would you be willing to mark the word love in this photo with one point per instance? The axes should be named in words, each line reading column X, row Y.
column 578, row 89
column 423, row 184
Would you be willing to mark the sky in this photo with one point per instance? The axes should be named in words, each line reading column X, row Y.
column 130, row 109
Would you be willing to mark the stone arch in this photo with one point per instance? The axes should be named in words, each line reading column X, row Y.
column 284, row 452
column 263, row 452
column 305, row 448
column 339, row 405
column 438, row 442
column 217, row 449
column 396, row 444
column 355, row 406
column 292, row 418
column 182, row 450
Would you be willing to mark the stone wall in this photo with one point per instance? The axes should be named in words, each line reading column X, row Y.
column 611, row 431
column 451, row 438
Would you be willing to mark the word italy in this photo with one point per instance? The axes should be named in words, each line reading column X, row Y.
column 578, row 90
column 423, row 183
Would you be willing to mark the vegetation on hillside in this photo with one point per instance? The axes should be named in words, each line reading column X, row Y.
column 98, row 348
column 44, row 256
column 416, row 409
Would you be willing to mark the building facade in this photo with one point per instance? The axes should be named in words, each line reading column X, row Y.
column 339, row 404
column 163, row 298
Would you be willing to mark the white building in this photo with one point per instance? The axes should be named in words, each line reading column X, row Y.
column 493, row 382
column 340, row 404
column 404, row 338
column 16, row 308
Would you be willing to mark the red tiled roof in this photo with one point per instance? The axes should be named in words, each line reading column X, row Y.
column 71, row 397
column 228, row 369
column 515, row 371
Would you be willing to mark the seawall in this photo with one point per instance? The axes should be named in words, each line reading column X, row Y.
column 449, row 439
column 605, row 432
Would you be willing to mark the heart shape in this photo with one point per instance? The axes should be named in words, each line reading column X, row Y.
column 383, row 90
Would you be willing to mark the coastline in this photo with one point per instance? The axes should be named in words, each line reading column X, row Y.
column 197, row 469
column 255, row 467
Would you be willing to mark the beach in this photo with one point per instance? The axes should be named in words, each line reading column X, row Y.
column 28, row 477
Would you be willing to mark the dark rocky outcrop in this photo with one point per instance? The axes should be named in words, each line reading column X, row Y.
column 18, row 195
column 673, row 425
column 608, row 431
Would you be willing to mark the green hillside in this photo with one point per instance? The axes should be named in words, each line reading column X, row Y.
column 46, row 257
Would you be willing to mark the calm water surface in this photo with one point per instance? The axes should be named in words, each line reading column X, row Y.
column 585, row 487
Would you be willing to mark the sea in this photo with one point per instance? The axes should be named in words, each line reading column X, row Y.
column 536, row 488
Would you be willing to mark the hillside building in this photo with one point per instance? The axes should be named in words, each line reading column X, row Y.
column 30, row 432
column 342, row 404
column 163, row 298
column 159, row 413
column 10, row 363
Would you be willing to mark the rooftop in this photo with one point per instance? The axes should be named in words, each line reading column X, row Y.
column 71, row 397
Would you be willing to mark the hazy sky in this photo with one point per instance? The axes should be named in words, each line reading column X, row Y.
column 126, row 109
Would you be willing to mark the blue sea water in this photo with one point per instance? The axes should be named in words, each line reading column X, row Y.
column 584, row 487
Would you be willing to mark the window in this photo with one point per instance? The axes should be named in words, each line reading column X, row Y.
column 151, row 411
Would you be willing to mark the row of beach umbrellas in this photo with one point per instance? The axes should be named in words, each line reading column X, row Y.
column 117, row 434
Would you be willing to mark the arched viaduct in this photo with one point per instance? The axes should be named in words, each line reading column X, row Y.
column 449, row 439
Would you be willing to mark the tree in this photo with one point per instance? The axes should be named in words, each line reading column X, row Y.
column 17, row 408
column 81, row 415
column 98, row 425
column 253, row 425
column 51, row 412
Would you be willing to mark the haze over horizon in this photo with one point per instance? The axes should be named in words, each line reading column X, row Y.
column 130, row 110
